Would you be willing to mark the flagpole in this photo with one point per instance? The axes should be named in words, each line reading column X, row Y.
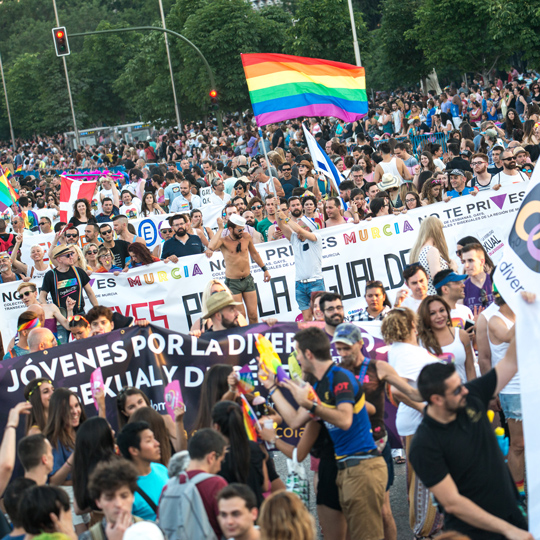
column 268, row 163
column 355, row 38
column 7, row 106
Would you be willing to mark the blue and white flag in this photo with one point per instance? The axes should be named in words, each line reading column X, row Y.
column 322, row 162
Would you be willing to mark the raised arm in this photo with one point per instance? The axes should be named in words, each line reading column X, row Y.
column 18, row 265
column 217, row 240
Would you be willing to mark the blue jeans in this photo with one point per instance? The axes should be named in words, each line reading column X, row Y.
column 304, row 290
column 511, row 405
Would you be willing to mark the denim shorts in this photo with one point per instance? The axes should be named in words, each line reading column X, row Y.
column 511, row 405
column 304, row 290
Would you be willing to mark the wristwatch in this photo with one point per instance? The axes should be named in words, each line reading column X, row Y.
column 313, row 407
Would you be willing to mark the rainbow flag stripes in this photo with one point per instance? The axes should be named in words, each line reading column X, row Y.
column 7, row 193
column 250, row 420
column 282, row 87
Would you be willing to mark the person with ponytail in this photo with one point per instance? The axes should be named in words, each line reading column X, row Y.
column 244, row 463
column 38, row 392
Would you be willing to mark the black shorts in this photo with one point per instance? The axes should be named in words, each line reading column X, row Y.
column 327, row 490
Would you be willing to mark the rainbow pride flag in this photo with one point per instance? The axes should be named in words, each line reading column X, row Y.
column 250, row 420
column 18, row 169
column 7, row 193
column 282, row 87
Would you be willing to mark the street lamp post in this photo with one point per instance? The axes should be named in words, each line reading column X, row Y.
column 176, row 108
column 355, row 38
column 7, row 105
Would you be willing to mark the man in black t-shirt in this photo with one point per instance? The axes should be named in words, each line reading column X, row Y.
column 456, row 455
column 118, row 247
column 66, row 281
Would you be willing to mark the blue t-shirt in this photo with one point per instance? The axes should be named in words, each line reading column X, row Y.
column 429, row 116
column 454, row 110
column 172, row 191
column 152, row 484
column 455, row 193
column 17, row 537
column 340, row 386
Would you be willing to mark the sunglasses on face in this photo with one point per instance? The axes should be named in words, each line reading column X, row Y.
column 509, row 159
column 43, row 224
column 91, row 252
column 257, row 207
column 106, row 232
column 27, row 293
column 72, row 235
column 457, row 390
column 69, row 255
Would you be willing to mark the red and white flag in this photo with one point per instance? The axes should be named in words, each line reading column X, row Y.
column 70, row 191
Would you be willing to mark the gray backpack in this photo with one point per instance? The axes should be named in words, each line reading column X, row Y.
column 181, row 512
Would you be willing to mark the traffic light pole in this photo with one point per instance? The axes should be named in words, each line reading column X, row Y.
column 68, row 85
column 167, row 31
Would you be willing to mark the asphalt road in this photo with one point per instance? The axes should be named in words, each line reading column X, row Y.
column 398, row 495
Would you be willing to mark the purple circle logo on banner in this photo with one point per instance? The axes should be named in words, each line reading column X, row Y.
column 524, row 237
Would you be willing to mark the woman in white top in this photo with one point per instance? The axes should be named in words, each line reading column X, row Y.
column 437, row 335
column 407, row 358
column 38, row 269
column 431, row 250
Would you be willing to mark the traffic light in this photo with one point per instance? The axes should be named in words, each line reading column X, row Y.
column 60, row 41
column 214, row 100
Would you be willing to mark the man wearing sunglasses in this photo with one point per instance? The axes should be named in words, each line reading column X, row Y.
column 72, row 236
column 118, row 247
column 45, row 226
column 66, row 281
column 457, row 457
column 510, row 173
column 288, row 181
column 6, row 270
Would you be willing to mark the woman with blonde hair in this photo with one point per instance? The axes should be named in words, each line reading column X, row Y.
column 80, row 260
column 276, row 159
column 285, row 517
column 408, row 359
column 90, row 255
column 431, row 250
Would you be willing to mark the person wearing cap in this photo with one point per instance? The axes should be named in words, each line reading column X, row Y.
column 237, row 247
column 338, row 400
column 510, row 173
column 458, row 181
column 222, row 310
column 66, row 281
column 373, row 375
column 451, row 288
column 307, row 249
column 165, row 233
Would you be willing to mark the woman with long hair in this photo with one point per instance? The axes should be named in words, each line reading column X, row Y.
column 431, row 250
column 94, row 444
column 367, row 165
column 439, row 337
column 379, row 206
column 197, row 223
column 431, row 191
column 157, row 187
column 245, row 461
column 38, row 392
column 90, row 252
column 140, row 256
column 150, row 206
column 309, row 204
column 407, row 358
column 511, row 122
column 529, row 133
column 215, row 387
column 412, row 200
column 82, row 213
column 66, row 414
column 285, row 517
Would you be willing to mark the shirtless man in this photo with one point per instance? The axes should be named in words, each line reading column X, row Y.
column 120, row 225
column 333, row 211
column 236, row 248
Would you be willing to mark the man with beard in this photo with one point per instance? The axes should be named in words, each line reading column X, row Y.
column 456, row 455
column 186, row 200
column 236, row 248
column 307, row 249
column 182, row 243
column 332, row 308
column 373, row 375
column 223, row 311
column 510, row 173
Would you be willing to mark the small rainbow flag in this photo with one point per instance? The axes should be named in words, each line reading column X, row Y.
column 8, row 173
column 7, row 193
column 18, row 169
column 246, row 382
column 250, row 420
column 282, row 87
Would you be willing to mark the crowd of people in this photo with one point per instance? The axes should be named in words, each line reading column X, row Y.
column 450, row 334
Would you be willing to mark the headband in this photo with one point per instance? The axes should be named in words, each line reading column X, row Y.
column 33, row 323
column 309, row 223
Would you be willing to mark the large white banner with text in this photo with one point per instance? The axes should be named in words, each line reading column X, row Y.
column 170, row 295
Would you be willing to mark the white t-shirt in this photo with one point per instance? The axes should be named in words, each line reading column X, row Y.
column 132, row 210
column 214, row 199
column 460, row 314
column 411, row 303
column 307, row 258
column 408, row 360
column 507, row 180
column 51, row 213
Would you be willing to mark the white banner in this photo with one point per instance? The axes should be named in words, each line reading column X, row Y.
column 519, row 270
column 352, row 256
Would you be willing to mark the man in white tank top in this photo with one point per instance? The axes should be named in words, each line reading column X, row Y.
column 390, row 164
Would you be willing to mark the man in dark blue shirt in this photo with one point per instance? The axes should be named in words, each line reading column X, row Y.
column 182, row 243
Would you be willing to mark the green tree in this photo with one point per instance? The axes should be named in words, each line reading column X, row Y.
column 458, row 33
column 323, row 30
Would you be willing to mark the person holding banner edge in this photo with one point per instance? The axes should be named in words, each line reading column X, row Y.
column 236, row 249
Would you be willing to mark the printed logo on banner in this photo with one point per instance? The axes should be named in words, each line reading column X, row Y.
column 148, row 231
column 524, row 237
